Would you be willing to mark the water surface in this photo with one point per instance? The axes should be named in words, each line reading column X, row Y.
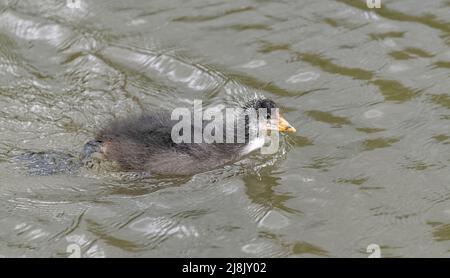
column 367, row 90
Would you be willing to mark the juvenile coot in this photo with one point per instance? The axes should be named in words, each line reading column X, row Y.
column 145, row 143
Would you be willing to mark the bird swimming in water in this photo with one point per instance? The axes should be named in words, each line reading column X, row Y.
column 145, row 143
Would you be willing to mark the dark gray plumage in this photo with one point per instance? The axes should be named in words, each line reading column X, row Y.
column 144, row 143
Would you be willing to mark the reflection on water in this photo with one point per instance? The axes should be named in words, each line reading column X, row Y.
column 367, row 89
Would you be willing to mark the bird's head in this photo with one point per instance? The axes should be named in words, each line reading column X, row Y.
column 268, row 115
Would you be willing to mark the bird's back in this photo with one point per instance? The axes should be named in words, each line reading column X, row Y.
column 145, row 144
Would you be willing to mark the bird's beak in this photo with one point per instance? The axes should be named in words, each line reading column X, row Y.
column 284, row 125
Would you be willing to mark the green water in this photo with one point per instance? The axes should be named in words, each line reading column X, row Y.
column 368, row 91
